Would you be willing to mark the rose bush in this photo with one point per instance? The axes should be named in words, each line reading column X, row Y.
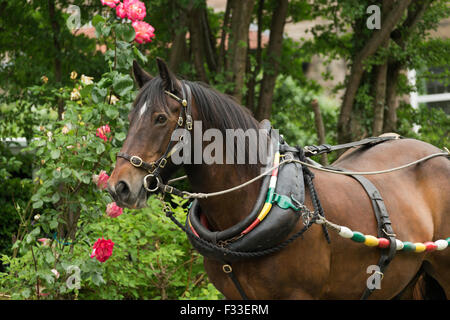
column 63, row 226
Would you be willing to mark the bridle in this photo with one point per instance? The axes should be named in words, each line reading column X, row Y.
column 154, row 168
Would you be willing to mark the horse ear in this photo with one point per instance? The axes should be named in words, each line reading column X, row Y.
column 140, row 75
column 169, row 80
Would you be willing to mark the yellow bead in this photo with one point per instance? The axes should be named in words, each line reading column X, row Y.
column 420, row 247
column 371, row 241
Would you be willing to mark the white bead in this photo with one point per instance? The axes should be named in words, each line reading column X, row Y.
column 441, row 244
column 346, row 233
column 399, row 244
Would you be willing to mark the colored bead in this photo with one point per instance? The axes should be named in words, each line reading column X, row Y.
column 371, row 241
column 399, row 244
column 430, row 246
column 383, row 243
column 358, row 237
column 448, row 240
column 345, row 232
column 408, row 246
column 420, row 247
column 441, row 244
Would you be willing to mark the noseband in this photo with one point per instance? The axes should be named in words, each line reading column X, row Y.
column 153, row 168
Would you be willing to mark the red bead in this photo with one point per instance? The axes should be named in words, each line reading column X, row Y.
column 430, row 246
column 383, row 243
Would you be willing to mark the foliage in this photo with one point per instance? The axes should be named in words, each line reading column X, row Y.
column 66, row 211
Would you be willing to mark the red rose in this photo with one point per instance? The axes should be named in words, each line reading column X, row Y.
column 102, row 249
column 102, row 131
column 113, row 210
column 144, row 31
column 101, row 179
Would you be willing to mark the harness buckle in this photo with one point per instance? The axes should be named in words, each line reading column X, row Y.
column 137, row 165
column 308, row 149
column 189, row 122
column 168, row 189
column 162, row 163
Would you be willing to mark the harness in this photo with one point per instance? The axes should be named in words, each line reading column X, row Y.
column 278, row 206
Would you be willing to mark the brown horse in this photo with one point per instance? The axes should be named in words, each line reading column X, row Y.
column 417, row 199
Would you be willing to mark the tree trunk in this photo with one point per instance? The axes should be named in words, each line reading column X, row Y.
column 273, row 64
column 178, row 50
column 390, row 117
column 221, row 60
column 380, row 82
column 320, row 128
column 57, row 64
column 237, row 45
column 197, row 47
column 357, row 70
column 251, row 85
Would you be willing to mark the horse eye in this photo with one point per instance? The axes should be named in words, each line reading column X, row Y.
column 161, row 119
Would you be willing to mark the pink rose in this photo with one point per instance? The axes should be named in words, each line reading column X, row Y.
column 144, row 31
column 102, row 249
column 101, row 179
column 121, row 11
column 110, row 3
column 113, row 210
column 102, row 131
column 44, row 241
column 135, row 10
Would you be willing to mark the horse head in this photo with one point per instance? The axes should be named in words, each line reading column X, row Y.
column 153, row 118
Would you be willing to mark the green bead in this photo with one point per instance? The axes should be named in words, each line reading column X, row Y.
column 409, row 246
column 448, row 240
column 358, row 237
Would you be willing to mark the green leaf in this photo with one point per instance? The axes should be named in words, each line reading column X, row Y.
column 120, row 136
column 125, row 32
column 66, row 173
column 139, row 55
column 56, row 197
column 96, row 19
column 100, row 148
column 98, row 94
column 112, row 112
column 38, row 204
column 123, row 84
column 55, row 154
column 97, row 279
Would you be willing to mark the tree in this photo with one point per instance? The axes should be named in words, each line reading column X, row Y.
column 377, row 58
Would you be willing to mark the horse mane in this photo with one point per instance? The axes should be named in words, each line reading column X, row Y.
column 220, row 111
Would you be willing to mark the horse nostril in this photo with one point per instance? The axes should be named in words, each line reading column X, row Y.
column 122, row 190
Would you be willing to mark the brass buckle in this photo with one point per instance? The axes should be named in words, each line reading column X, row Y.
column 189, row 122
column 163, row 163
column 313, row 152
column 168, row 189
column 134, row 164
column 227, row 268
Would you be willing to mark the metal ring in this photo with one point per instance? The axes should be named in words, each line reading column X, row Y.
column 146, row 185
column 227, row 268
column 139, row 159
